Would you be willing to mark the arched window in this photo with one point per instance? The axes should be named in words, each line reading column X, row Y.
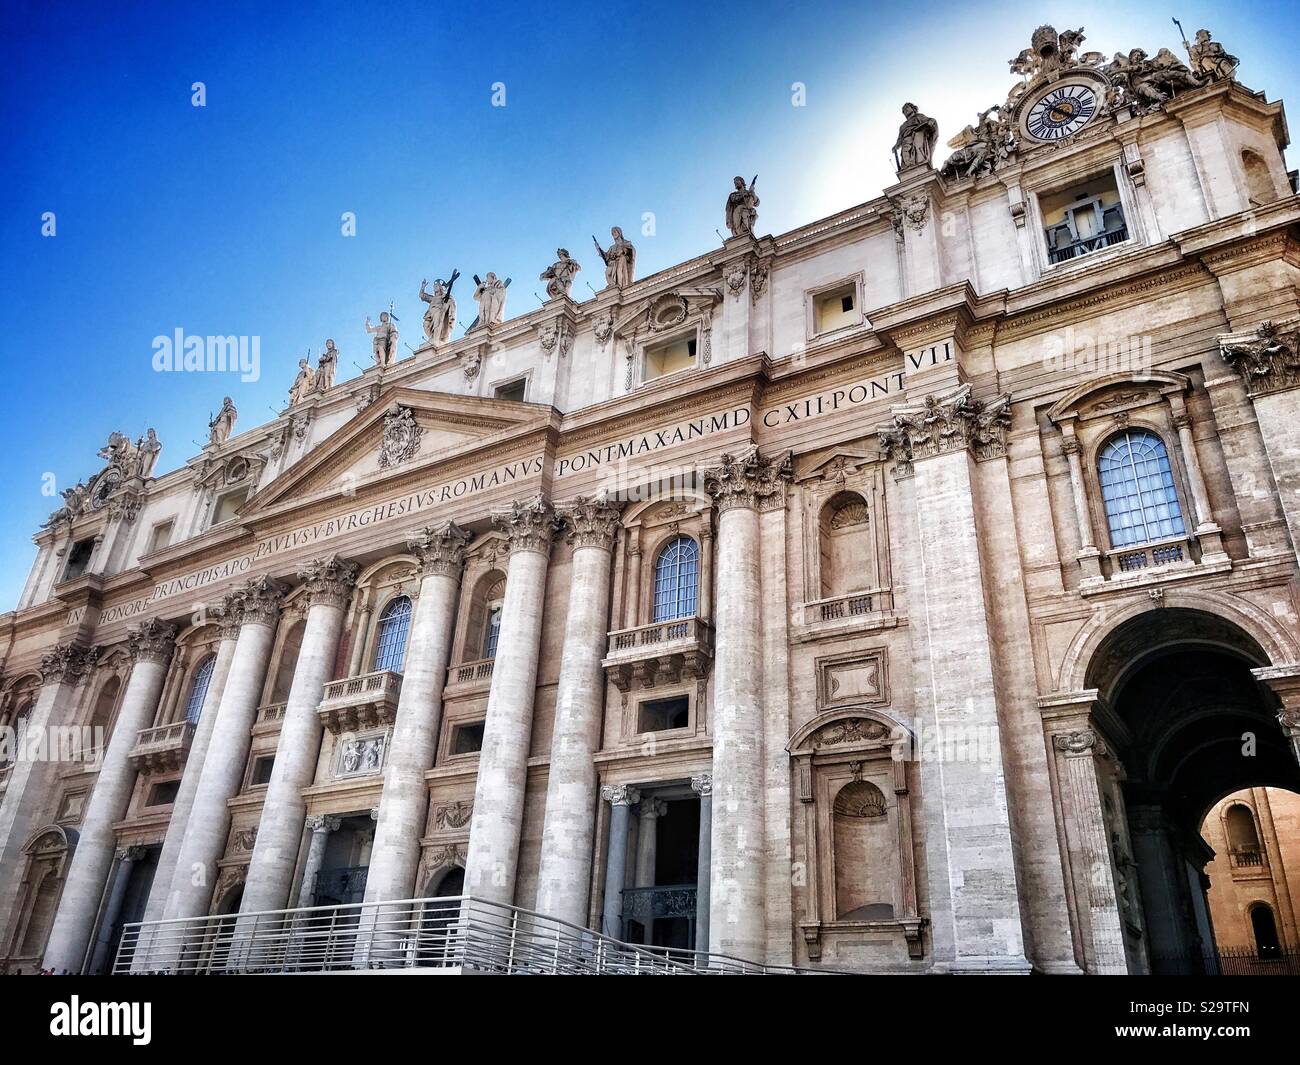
column 24, row 712
column 1263, row 925
column 102, row 715
column 1243, row 836
column 1137, row 487
column 492, row 632
column 199, row 689
column 390, row 641
column 677, row 579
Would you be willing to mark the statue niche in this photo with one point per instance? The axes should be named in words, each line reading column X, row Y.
column 866, row 858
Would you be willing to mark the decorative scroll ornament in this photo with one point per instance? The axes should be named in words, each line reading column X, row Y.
column 401, row 439
column 603, row 327
column 1267, row 359
column 851, row 730
column 702, row 785
column 749, row 481
column 453, row 815
column 556, row 334
column 440, row 549
column 758, row 273
column 944, row 423
column 913, row 212
column 67, row 663
column 736, row 276
column 329, row 580
column 152, row 640
column 529, row 525
column 1079, row 742
column 590, row 522
column 620, row 794
column 260, row 600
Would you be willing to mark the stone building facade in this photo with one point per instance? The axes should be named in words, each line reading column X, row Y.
column 890, row 594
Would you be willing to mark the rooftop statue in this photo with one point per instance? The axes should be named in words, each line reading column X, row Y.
column 619, row 259
column 440, row 315
column 490, row 294
column 223, row 424
column 1209, row 60
column 742, row 207
column 916, row 137
column 385, row 342
column 560, row 274
column 303, row 385
column 147, row 449
column 981, row 147
column 325, row 367
column 1147, row 83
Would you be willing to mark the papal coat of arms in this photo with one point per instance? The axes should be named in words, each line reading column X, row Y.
column 401, row 437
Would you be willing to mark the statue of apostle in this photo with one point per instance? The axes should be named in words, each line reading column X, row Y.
column 619, row 259
column 440, row 315
column 916, row 137
column 742, row 208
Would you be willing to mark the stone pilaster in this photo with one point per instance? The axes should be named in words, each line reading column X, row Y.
column 702, row 785
column 404, row 804
column 621, row 799
column 63, row 669
column 327, row 587
column 1268, row 360
column 503, row 761
column 564, row 875
column 975, row 903
column 739, row 487
column 227, row 617
column 227, row 755
column 151, row 646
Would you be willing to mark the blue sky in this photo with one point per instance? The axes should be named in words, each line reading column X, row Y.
column 225, row 219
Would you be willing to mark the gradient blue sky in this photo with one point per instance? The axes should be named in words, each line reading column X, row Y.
column 226, row 219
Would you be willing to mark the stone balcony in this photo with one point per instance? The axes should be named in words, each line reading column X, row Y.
column 162, row 749
column 471, row 676
column 663, row 652
column 365, row 701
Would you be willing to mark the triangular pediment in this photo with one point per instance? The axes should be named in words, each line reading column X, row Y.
column 356, row 453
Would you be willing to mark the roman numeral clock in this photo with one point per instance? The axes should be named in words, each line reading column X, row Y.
column 1060, row 111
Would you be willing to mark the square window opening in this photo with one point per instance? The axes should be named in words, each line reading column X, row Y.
column 163, row 794
column 513, row 391
column 671, row 356
column 1083, row 218
column 227, row 505
column 261, row 773
column 836, row 308
column 79, row 558
column 467, row 739
column 660, row 715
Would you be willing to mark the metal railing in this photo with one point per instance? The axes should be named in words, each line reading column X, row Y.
column 458, row 933
column 1088, row 244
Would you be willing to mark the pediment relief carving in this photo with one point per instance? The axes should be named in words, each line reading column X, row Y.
column 667, row 310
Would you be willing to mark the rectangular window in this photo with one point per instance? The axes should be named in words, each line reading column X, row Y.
column 1083, row 218
column 671, row 356
column 261, row 773
column 161, row 536
column 660, row 715
column 227, row 505
column 163, row 794
column 514, row 391
column 836, row 308
column 79, row 558
column 467, row 739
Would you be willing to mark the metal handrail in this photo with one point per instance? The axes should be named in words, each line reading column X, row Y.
column 459, row 932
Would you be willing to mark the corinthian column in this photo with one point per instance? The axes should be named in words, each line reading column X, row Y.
column 327, row 586
column 404, row 803
column 151, row 647
column 227, row 618
column 223, row 768
column 564, row 877
column 503, row 762
column 739, row 487
column 62, row 670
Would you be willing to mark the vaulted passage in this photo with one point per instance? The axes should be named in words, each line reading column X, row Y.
column 1189, row 723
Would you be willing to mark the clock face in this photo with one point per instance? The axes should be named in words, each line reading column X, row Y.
column 1061, row 112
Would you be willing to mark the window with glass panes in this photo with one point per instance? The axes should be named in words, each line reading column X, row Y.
column 1137, row 488
column 676, row 579
column 199, row 689
column 390, row 640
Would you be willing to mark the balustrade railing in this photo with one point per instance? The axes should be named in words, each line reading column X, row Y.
column 471, row 672
column 658, row 633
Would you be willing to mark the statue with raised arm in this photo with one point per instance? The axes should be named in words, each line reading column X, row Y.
column 325, row 367
column 742, row 207
column 916, row 137
column 147, row 449
column 385, row 342
column 490, row 294
column 1209, row 60
column 560, row 274
column 440, row 315
column 221, row 426
column 619, row 259
column 303, row 385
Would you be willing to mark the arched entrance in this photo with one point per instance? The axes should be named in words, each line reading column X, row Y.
column 1183, row 704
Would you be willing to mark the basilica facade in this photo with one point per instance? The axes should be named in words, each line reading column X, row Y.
column 895, row 594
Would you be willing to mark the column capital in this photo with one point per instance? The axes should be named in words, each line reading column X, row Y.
column 529, row 525
column 748, row 481
column 946, row 421
column 1074, row 743
column 228, row 615
column 440, row 549
column 130, row 854
column 67, row 663
column 328, row 580
column 590, row 522
column 323, row 823
column 652, row 807
column 260, row 601
column 702, row 785
column 620, row 794
column 1267, row 357
column 151, row 640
